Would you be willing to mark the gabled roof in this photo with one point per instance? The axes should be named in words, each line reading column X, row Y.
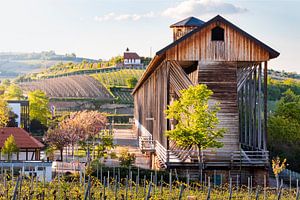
column 218, row 18
column 190, row 21
column 131, row 55
column 161, row 54
column 23, row 139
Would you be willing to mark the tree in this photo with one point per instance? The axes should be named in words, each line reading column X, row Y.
column 283, row 129
column 58, row 139
column 10, row 147
column 196, row 121
column 14, row 92
column 4, row 113
column 80, row 126
column 39, row 106
column 131, row 82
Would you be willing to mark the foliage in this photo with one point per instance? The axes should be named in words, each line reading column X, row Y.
column 14, row 92
column 74, row 187
column 105, row 144
column 126, row 159
column 278, row 166
column 115, row 60
column 39, row 106
column 196, row 121
column 12, row 122
column 4, row 113
column 50, row 152
column 283, row 129
column 10, row 147
column 118, row 78
column 131, row 82
column 58, row 139
column 80, row 126
column 277, row 88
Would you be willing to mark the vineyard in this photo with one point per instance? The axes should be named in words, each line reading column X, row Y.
column 111, row 185
column 69, row 87
column 118, row 78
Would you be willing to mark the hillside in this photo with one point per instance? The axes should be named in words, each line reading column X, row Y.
column 72, row 87
column 15, row 64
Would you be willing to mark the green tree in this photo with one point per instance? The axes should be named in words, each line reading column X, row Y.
column 39, row 106
column 10, row 147
column 283, row 129
column 14, row 92
column 196, row 121
column 4, row 113
column 131, row 82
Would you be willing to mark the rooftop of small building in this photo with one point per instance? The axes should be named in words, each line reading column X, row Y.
column 23, row 139
column 190, row 21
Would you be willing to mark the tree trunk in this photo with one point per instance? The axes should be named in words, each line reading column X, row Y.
column 73, row 151
column 61, row 154
column 200, row 163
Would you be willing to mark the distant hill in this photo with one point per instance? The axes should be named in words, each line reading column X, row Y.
column 13, row 64
column 281, row 75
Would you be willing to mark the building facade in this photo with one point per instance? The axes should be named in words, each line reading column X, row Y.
column 233, row 64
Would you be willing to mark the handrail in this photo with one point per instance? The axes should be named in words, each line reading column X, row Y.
column 161, row 151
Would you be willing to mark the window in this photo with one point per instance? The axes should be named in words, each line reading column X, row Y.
column 179, row 33
column 217, row 34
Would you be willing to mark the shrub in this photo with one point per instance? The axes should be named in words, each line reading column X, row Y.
column 126, row 159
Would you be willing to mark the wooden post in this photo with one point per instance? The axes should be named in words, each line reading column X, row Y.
column 265, row 104
column 255, row 135
column 259, row 108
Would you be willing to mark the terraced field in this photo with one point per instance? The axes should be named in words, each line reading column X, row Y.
column 72, row 87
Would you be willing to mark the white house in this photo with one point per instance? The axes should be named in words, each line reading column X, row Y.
column 131, row 58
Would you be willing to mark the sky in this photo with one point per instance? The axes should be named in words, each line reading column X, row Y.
column 101, row 29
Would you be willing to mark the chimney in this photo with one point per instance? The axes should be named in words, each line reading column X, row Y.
column 185, row 26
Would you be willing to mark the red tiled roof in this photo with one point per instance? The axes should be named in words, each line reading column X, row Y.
column 131, row 55
column 23, row 139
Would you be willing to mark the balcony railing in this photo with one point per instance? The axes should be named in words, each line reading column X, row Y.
column 146, row 143
column 218, row 157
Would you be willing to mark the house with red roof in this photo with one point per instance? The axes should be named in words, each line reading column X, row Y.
column 29, row 147
column 131, row 58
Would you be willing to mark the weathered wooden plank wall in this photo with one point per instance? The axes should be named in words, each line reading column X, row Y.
column 151, row 101
column 221, row 78
column 235, row 47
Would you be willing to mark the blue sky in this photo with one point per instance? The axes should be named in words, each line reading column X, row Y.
column 104, row 28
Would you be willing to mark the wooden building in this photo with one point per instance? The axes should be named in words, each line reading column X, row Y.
column 29, row 147
column 233, row 64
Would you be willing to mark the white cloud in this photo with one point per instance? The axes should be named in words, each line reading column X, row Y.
column 120, row 17
column 201, row 8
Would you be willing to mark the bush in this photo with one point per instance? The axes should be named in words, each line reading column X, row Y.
column 126, row 159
